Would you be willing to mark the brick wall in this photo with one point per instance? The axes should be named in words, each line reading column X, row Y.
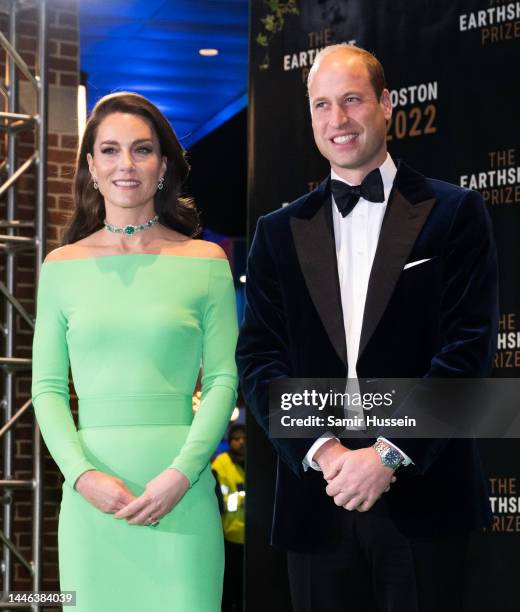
column 62, row 143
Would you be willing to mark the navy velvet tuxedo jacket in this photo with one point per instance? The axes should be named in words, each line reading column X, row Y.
column 436, row 319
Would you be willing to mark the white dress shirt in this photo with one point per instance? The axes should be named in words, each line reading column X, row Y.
column 356, row 237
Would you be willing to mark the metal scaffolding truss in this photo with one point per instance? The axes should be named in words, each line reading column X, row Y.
column 12, row 123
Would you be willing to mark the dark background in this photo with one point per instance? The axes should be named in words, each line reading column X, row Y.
column 218, row 174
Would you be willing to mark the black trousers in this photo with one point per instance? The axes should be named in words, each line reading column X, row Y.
column 233, row 577
column 378, row 569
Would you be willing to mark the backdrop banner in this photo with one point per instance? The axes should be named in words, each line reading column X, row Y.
column 452, row 69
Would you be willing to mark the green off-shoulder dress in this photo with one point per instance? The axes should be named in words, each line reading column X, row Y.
column 136, row 329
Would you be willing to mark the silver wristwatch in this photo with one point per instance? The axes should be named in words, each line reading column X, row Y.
column 389, row 456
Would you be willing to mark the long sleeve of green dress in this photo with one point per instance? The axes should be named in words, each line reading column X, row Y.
column 50, row 388
column 219, row 379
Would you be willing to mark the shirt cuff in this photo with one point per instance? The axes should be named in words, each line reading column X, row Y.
column 308, row 461
column 407, row 460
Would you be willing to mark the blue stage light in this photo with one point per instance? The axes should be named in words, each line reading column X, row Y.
column 152, row 47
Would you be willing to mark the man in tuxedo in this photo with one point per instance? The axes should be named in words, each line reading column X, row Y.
column 379, row 272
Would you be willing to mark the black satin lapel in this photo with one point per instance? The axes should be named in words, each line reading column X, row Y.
column 315, row 248
column 401, row 226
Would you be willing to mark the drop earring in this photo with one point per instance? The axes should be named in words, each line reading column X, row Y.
column 94, row 184
column 160, row 184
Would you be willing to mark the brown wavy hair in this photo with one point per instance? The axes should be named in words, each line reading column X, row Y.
column 176, row 212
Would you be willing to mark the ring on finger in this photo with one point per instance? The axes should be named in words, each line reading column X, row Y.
column 152, row 522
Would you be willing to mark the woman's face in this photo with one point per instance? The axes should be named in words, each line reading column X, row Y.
column 126, row 162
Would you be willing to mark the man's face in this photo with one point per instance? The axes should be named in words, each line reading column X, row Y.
column 348, row 121
column 237, row 443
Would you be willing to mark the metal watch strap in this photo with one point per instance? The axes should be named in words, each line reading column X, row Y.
column 390, row 457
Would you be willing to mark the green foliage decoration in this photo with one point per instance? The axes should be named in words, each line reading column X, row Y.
column 273, row 23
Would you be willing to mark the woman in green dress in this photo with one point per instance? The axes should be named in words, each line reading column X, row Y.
column 135, row 306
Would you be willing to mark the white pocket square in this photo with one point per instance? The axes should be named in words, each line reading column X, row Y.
column 416, row 263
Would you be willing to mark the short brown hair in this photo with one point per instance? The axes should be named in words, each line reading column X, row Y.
column 373, row 65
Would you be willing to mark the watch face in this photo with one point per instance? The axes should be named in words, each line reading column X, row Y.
column 392, row 458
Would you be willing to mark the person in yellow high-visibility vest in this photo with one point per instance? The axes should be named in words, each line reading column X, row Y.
column 230, row 470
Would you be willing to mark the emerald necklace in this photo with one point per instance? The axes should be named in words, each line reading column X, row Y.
column 131, row 229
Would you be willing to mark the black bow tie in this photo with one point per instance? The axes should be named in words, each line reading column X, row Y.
column 346, row 196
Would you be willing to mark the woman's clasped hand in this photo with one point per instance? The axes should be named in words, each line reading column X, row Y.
column 110, row 495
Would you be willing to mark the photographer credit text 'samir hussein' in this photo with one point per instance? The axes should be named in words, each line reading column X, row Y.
column 320, row 401
column 400, row 408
